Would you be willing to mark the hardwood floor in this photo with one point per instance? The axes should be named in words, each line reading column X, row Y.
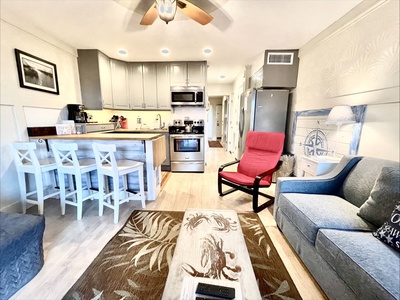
column 71, row 245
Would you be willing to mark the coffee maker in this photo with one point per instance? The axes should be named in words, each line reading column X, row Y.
column 76, row 113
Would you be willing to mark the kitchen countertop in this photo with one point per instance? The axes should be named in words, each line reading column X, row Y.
column 109, row 135
column 164, row 130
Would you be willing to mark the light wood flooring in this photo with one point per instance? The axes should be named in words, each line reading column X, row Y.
column 71, row 245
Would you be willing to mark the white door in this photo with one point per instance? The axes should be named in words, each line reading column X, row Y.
column 218, row 120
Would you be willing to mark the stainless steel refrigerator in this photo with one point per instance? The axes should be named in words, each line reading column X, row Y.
column 262, row 110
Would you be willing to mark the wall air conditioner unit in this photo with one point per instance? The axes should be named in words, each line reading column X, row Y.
column 279, row 58
column 280, row 69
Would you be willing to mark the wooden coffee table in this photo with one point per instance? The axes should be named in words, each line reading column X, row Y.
column 211, row 246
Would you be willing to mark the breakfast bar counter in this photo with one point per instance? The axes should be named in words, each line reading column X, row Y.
column 145, row 147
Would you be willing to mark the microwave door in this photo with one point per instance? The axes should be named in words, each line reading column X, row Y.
column 183, row 97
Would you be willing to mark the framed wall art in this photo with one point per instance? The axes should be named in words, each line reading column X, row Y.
column 36, row 73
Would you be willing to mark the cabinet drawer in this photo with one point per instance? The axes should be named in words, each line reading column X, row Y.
column 309, row 167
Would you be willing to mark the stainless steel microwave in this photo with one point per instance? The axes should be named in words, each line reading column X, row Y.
column 187, row 95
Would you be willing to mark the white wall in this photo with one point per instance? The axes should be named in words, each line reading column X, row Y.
column 20, row 107
column 354, row 62
column 219, row 89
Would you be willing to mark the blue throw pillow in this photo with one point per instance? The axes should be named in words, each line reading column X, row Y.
column 389, row 233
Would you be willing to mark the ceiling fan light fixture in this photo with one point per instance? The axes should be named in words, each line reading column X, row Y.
column 166, row 9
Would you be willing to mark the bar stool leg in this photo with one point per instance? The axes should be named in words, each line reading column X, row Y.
column 141, row 187
column 125, row 184
column 79, row 195
column 89, row 183
column 22, row 188
column 39, row 192
column 61, row 179
column 116, row 198
column 101, row 194
column 71, row 185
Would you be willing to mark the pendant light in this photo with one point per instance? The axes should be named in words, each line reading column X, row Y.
column 166, row 9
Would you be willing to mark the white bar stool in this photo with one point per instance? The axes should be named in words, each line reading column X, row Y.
column 107, row 165
column 69, row 164
column 27, row 162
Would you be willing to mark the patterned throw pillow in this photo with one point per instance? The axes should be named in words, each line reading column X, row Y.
column 384, row 196
column 389, row 233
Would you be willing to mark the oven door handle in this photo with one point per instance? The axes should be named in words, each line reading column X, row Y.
column 190, row 136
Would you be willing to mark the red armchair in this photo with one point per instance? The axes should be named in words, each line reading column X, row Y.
column 256, row 167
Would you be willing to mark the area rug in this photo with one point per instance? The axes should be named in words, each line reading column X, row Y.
column 135, row 262
column 214, row 144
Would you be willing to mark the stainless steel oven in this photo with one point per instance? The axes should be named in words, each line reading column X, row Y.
column 187, row 148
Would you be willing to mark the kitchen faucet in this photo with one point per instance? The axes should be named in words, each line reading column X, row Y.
column 158, row 117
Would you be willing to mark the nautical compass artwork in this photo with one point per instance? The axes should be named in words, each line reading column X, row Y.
column 315, row 143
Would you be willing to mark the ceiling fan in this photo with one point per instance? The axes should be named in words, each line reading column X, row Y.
column 166, row 10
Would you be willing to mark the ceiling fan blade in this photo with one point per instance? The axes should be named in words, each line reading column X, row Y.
column 194, row 12
column 150, row 16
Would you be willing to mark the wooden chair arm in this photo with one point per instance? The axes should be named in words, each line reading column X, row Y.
column 228, row 164
column 271, row 171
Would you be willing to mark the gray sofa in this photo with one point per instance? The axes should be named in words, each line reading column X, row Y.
column 319, row 216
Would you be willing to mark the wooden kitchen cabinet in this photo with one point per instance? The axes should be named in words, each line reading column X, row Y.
column 149, row 86
column 135, row 84
column 188, row 73
column 95, row 79
column 119, row 79
column 163, row 87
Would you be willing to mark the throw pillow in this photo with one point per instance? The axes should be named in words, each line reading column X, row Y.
column 389, row 233
column 384, row 196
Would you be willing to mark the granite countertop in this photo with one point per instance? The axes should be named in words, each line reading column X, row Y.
column 108, row 135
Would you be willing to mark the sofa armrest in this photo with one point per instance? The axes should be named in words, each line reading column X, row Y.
column 328, row 184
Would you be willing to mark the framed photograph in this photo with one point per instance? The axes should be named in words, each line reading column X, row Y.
column 36, row 73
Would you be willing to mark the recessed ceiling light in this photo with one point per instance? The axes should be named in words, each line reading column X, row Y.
column 222, row 76
column 165, row 51
column 207, row 50
column 122, row 52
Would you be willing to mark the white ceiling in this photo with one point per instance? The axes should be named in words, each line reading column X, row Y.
column 239, row 33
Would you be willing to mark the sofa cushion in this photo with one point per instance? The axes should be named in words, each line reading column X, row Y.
column 389, row 233
column 384, row 196
column 369, row 267
column 310, row 212
column 21, row 250
column 361, row 179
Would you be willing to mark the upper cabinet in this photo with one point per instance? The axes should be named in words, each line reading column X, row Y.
column 188, row 73
column 149, row 86
column 95, row 79
column 163, row 87
column 135, row 85
column 119, row 79
column 116, row 84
